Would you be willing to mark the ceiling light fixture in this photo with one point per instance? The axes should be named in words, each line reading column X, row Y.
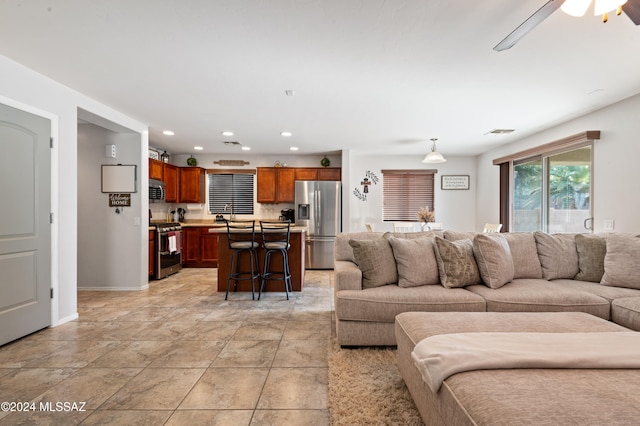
column 601, row 7
column 198, row 148
column 286, row 134
column 290, row 92
column 293, row 148
column 245, row 148
column 434, row 156
column 168, row 133
column 227, row 133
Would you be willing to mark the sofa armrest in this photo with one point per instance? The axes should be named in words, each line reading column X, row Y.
column 347, row 275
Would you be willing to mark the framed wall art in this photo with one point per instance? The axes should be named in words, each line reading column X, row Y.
column 455, row 182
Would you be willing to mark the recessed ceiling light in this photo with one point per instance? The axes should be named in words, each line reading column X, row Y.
column 198, row 148
column 286, row 134
column 246, row 148
column 168, row 133
column 227, row 133
column 293, row 148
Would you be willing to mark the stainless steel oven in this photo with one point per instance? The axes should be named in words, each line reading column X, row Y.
column 168, row 249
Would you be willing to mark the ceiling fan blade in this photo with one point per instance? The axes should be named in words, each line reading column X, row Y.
column 632, row 9
column 531, row 22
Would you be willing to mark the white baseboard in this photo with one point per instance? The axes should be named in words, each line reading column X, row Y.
column 144, row 287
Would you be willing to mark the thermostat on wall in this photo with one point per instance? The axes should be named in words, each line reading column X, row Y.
column 110, row 151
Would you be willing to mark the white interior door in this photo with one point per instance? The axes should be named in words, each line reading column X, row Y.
column 25, row 230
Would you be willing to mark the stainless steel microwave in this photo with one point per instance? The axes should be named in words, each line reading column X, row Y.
column 156, row 189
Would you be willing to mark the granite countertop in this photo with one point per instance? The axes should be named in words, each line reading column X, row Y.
column 223, row 229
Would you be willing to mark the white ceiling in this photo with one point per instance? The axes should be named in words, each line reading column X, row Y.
column 374, row 75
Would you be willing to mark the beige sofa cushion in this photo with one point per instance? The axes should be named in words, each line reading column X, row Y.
column 375, row 260
column 456, row 264
column 524, row 252
column 591, row 251
column 342, row 248
column 494, row 260
column 535, row 295
column 457, row 235
column 621, row 261
column 415, row 260
column 385, row 302
column 558, row 255
column 626, row 312
column 343, row 251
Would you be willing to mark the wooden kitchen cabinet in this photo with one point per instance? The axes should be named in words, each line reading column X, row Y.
column 208, row 247
column 307, row 173
column 275, row 184
column 191, row 184
column 155, row 169
column 330, row 173
column 152, row 253
column 318, row 173
column 199, row 248
column 171, row 180
column 190, row 246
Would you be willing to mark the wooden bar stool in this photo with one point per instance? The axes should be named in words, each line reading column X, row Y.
column 275, row 238
column 242, row 239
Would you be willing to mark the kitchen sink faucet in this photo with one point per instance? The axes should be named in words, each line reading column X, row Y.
column 230, row 207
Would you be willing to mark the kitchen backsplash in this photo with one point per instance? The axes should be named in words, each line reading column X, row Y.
column 159, row 211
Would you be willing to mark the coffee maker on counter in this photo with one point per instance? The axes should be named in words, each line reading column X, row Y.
column 287, row 214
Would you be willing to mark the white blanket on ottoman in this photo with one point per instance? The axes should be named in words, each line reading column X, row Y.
column 440, row 356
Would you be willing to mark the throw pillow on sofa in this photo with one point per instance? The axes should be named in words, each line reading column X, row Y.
column 494, row 260
column 416, row 261
column 621, row 261
column 558, row 255
column 524, row 252
column 591, row 252
column 375, row 259
column 456, row 264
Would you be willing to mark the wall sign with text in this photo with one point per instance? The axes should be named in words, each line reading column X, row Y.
column 455, row 181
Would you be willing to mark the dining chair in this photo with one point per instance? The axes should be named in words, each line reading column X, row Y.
column 435, row 226
column 403, row 227
column 492, row 227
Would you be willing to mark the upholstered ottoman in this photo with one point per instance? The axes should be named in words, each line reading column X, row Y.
column 517, row 396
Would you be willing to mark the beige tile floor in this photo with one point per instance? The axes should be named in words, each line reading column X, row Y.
column 178, row 354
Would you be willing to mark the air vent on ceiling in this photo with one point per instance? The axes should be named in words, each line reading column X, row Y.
column 500, row 132
column 231, row 143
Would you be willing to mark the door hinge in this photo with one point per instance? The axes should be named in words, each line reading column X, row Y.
column 51, row 142
column 52, row 293
column 51, row 217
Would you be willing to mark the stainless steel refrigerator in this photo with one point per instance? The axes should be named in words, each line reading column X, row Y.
column 318, row 206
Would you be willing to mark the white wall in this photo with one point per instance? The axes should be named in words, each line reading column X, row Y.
column 105, row 238
column 24, row 88
column 454, row 208
column 615, row 174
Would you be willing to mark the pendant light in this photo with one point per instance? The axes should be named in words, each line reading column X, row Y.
column 434, row 156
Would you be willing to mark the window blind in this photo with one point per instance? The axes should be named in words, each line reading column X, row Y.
column 405, row 192
column 234, row 189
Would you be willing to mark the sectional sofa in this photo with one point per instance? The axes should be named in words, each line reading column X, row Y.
column 378, row 276
column 501, row 329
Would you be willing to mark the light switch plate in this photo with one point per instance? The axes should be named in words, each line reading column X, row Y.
column 608, row 224
column 110, row 151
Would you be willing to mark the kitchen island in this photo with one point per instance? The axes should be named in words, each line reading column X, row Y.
column 296, row 261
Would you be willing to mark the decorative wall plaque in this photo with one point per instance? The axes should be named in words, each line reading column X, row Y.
column 455, row 181
column 119, row 200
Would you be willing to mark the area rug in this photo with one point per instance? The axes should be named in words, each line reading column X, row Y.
column 365, row 388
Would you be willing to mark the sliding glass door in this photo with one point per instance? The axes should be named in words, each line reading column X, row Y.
column 552, row 192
